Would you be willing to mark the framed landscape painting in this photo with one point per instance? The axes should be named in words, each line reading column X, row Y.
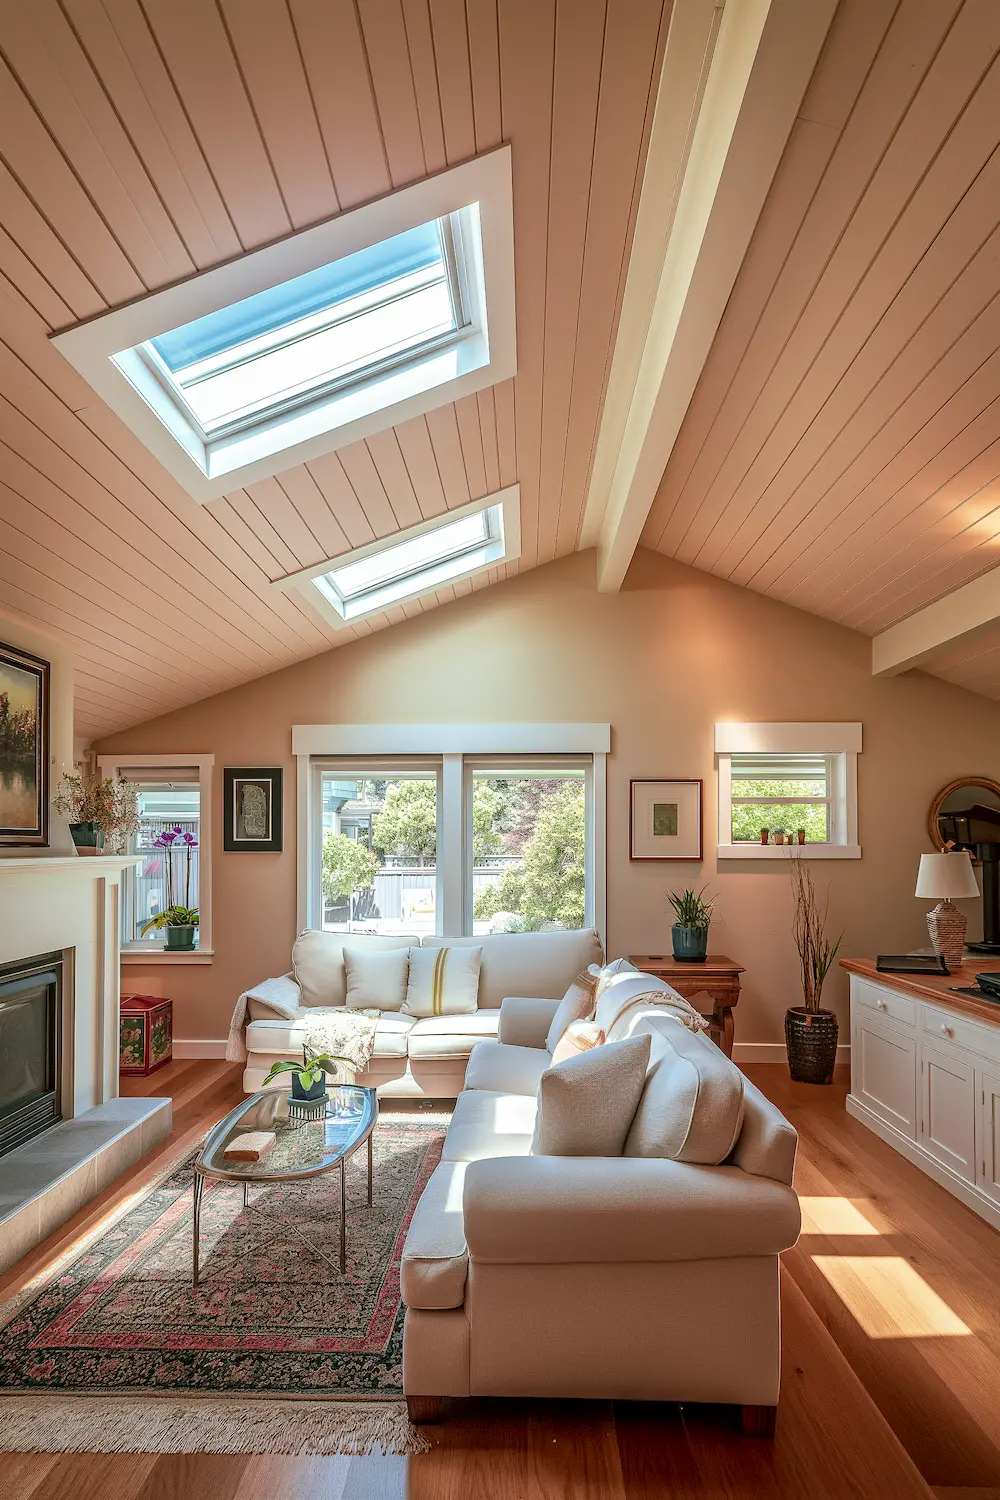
column 24, row 747
column 665, row 820
column 251, row 809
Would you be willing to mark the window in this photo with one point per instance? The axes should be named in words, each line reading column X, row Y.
column 796, row 782
column 454, row 842
column 414, row 562
column 174, row 841
column 334, row 333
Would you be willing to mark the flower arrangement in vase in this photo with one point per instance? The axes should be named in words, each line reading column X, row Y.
column 177, row 920
column 103, row 812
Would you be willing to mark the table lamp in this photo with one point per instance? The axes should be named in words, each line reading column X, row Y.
column 941, row 877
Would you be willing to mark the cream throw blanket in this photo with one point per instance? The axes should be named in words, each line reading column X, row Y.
column 346, row 1033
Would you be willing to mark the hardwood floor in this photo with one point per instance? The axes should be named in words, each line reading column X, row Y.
column 891, row 1346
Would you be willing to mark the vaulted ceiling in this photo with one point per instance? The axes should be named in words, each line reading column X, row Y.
column 842, row 447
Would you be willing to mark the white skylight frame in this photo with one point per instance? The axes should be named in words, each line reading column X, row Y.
column 479, row 191
column 501, row 543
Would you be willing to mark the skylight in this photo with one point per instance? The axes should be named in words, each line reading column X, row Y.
column 334, row 333
column 416, row 562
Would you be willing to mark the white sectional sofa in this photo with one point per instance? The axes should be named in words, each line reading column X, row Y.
column 634, row 1277
column 412, row 1058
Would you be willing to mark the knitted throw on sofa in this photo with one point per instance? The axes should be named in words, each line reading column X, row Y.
column 346, row 1033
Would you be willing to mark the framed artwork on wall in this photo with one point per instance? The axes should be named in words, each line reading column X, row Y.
column 251, row 809
column 665, row 820
column 24, row 748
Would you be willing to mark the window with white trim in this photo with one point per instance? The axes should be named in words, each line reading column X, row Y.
column 331, row 334
column 174, row 840
column 787, row 786
column 504, row 844
column 414, row 562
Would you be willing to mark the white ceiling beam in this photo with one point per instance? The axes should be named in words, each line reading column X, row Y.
column 958, row 617
column 730, row 87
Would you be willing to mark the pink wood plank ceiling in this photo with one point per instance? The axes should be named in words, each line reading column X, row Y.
column 143, row 140
column 842, row 450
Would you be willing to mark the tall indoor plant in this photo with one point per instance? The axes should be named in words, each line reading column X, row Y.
column 177, row 919
column 810, row 1031
column 103, row 812
column 689, row 934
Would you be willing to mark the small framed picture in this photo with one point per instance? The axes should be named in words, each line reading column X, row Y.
column 665, row 820
column 251, row 809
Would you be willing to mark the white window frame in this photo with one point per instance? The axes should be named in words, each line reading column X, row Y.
column 148, row 952
column 451, row 746
column 839, row 743
column 485, row 356
column 505, row 547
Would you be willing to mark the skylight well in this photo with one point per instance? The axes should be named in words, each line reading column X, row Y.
column 415, row 562
column 307, row 345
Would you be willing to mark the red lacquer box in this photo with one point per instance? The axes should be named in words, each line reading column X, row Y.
column 146, row 1036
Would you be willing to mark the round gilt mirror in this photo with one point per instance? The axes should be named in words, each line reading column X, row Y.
column 965, row 813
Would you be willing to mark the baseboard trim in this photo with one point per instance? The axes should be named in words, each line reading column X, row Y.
column 774, row 1052
column 197, row 1048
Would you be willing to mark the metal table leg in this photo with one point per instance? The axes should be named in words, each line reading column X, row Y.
column 199, row 1188
column 246, row 1195
column 343, row 1219
column 369, row 1171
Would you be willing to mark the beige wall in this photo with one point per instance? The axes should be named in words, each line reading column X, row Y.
column 662, row 661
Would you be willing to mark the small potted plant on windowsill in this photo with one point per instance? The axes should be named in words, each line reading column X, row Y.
column 178, row 924
column 689, row 933
column 177, row 920
column 308, row 1076
column 811, row 1033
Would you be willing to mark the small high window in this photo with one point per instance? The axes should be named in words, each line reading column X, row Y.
column 788, row 786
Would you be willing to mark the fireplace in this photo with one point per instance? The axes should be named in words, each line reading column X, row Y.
column 30, row 1048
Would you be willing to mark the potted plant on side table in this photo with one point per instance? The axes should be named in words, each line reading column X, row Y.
column 179, row 921
column 689, row 934
column 811, row 1033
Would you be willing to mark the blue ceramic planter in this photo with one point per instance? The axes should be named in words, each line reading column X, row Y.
column 690, row 944
column 318, row 1090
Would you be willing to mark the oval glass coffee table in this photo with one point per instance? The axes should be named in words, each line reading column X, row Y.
column 303, row 1148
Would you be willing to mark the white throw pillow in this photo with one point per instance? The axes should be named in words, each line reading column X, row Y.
column 586, row 1104
column 376, row 980
column 443, row 982
column 576, row 1005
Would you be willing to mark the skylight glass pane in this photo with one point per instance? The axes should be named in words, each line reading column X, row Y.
column 317, row 291
column 410, row 557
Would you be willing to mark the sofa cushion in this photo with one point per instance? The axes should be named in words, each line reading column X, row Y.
column 692, row 1106
column 579, row 1036
column 276, row 1035
column 576, row 1005
column 443, row 981
column 586, row 1104
column 489, row 1124
column 451, row 1036
column 503, row 1069
column 535, row 964
column 318, row 961
column 435, row 1258
column 376, row 977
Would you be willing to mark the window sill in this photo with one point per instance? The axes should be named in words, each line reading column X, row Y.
column 159, row 955
column 785, row 851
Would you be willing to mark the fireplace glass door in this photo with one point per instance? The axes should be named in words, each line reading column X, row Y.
column 30, row 1038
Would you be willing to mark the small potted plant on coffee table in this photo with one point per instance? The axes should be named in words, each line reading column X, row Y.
column 689, row 933
column 309, row 1075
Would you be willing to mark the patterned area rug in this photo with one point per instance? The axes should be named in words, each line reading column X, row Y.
column 272, row 1315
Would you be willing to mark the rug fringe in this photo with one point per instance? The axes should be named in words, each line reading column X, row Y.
column 85, row 1424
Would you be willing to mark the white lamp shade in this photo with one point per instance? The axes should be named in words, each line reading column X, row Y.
column 946, row 877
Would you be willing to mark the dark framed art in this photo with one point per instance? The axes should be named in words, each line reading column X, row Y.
column 251, row 811
column 665, row 820
column 24, row 747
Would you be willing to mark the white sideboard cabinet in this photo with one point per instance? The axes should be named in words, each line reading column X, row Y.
column 925, row 1076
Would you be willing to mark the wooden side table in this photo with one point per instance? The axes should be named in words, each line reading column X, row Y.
column 718, row 978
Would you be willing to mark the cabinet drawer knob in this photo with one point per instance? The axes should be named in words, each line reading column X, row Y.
column 947, row 1030
column 881, row 1005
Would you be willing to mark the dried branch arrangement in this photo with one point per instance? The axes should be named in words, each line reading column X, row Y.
column 816, row 950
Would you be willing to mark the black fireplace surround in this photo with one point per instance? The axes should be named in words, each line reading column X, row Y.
column 30, row 1048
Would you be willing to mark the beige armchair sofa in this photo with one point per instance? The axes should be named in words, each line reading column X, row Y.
column 633, row 1277
column 413, row 1058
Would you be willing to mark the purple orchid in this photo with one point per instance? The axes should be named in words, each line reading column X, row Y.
column 166, row 839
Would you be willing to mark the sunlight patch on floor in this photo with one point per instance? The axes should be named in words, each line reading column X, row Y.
column 834, row 1216
column 889, row 1299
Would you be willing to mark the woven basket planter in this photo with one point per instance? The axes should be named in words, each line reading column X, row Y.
column 811, row 1042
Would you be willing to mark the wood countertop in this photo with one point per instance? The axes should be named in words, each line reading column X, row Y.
column 937, row 987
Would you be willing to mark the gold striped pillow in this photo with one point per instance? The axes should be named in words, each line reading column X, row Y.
column 443, row 982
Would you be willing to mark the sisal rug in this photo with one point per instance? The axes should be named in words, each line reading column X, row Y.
column 274, row 1352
